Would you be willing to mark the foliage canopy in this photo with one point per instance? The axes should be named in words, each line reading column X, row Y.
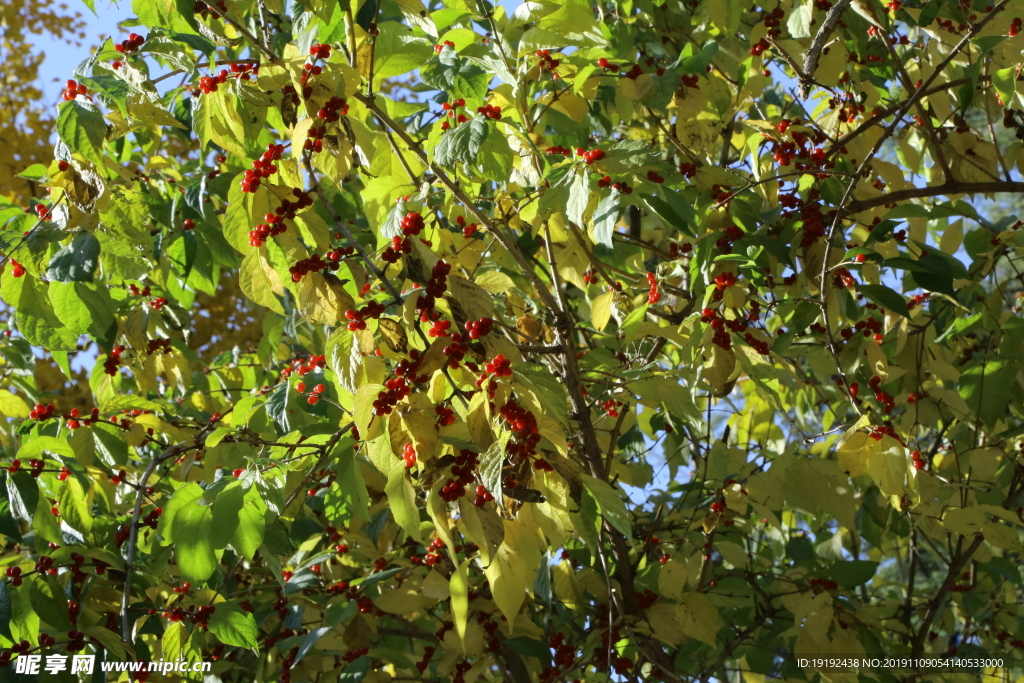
column 616, row 341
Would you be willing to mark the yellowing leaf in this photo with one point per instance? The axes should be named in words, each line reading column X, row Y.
column 507, row 577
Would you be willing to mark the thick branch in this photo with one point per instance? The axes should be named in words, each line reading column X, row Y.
column 943, row 190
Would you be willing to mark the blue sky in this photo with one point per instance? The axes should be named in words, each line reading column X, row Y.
column 61, row 59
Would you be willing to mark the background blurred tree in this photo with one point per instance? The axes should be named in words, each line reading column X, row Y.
column 25, row 123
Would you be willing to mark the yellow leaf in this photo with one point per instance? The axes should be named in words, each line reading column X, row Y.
column 12, row 405
column 664, row 620
column 698, row 617
column 323, row 299
column 601, row 310
column 435, row 586
column 459, row 590
column 719, row 365
column 565, row 584
column 402, row 500
column 854, row 454
column 672, row 579
column 402, row 601
column 635, row 89
column 495, row 282
column 507, row 577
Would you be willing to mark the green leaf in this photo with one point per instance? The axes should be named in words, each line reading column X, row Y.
column 725, row 14
column 249, row 533
column 674, row 210
column 77, row 261
column 5, row 610
column 234, row 626
column 1005, row 82
column 985, row 385
column 81, row 127
column 579, row 198
column 36, row 319
column 610, row 504
column 491, row 463
column 852, row 573
column 461, row 144
column 799, row 23
column 605, row 218
column 885, row 297
column 698, row 63
column 83, row 307
column 75, row 508
column 193, row 543
column 397, row 51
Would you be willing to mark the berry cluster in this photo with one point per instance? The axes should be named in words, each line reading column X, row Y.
column 461, row 476
column 725, row 280
column 300, row 368
column 731, row 234
column 17, row 270
column 445, row 416
column 634, row 72
column 451, row 109
column 721, row 338
column 654, row 295
column 523, row 424
column 590, row 156
column 479, row 328
column 675, row 250
column 157, row 303
column 467, row 230
column 499, row 367
column 482, row 496
column 883, row 397
column 590, row 277
column 436, row 286
column 824, row 584
column 548, row 63
column 264, row 167
column 1014, row 27
column 333, row 109
column 608, row 66
column 441, row 46
column 655, row 177
column 433, row 556
column 42, row 412
column 313, row 264
column 14, row 574
column 314, row 396
column 73, row 89
column 490, row 111
column 357, row 318
column 440, row 328
column 132, row 44
column 154, row 345
column 394, row 251
column 209, row 84
column 412, row 223
column 138, row 292
column 919, row 462
column 691, row 81
column 320, row 51
column 394, row 391
column 456, row 351
column 409, row 456
column 112, row 362
column 558, row 149
column 610, row 407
